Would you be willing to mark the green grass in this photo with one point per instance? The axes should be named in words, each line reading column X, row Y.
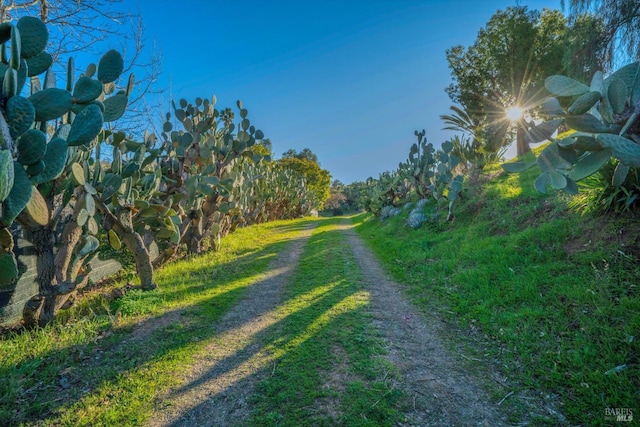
column 554, row 293
column 88, row 368
column 550, row 295
column 96, row 366
column 329, row 369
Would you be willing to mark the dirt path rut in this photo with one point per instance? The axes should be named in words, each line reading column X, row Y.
column 442, row 392
column 218, row 386
column 220, row 383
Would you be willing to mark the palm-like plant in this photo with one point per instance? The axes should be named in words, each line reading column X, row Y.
column 461, row 121
column 473, row 147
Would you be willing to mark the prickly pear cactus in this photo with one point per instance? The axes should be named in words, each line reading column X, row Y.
column 43, row 168
column 200, row 171
column 432, row 173
column 604, row 116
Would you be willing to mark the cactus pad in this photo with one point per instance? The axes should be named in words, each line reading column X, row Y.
column 34, row 36
column 111, row 185
column 77, row 173
column 617, row 95
column 90, row 244
column 86, row 90
column 586, row 123
column 8, row 269
column 15, row 48
column 92, row 226
column 590, row 164
column 36, row 168
column 629, row 75
column 6, row 174
column 110, row 66
column 55, row 160
column 5, row 32
column 10, row 82
column 36, row 212
column 32, row 146
column 39, row 64
column 114, row 240
column 625, row 150
column 18, row 197
column 6, row 240
column 51, row 103
column 114, row 107
column 86, row 126
column 584, row 102
column 564, row 86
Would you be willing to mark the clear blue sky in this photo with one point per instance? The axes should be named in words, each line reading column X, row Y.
column 349, row 79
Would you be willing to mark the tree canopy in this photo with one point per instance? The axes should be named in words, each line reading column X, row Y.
column 621, row 29
column 305, row 154
column 306, row 165
column 507, row 64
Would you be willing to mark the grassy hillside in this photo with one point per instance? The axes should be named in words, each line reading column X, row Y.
column 545, row 297
column 552, row 296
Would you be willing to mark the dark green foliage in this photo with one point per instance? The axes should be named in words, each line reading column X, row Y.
column 55, row 159
column 51, row 103
column 32, row 146
column 33, row 36
column 86, row 126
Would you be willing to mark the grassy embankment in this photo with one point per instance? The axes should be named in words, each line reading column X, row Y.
column 104, row 364
column 547, row 294
column 553, row 296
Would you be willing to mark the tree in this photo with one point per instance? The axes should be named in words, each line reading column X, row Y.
column 264, row 148
column 621, row 23
column 506, row 66
column 468, row 124
column 356, row 194
column 585, row 46
column 305, row 164
column 337, row 202
column 305, row 154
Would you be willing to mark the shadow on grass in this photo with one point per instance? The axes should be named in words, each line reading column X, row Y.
column 35, row 389
column 297, row 333
column 236, row 370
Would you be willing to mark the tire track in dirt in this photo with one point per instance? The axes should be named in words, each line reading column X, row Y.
column 442, row 393
column 218, row 385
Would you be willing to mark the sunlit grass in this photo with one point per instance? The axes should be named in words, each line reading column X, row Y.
column 104, row 374
column 549, row 289
column 344, row 306
column 97, row 368
column 327, row 329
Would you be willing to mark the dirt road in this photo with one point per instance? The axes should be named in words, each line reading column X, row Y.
column 216, row 389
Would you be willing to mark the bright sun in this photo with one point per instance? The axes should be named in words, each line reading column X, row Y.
column 514, row 113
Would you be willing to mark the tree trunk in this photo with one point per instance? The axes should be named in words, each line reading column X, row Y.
column 135, row 244
column 41, row 309
column 521, row 143
column 194, row 236
column 133, row 241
